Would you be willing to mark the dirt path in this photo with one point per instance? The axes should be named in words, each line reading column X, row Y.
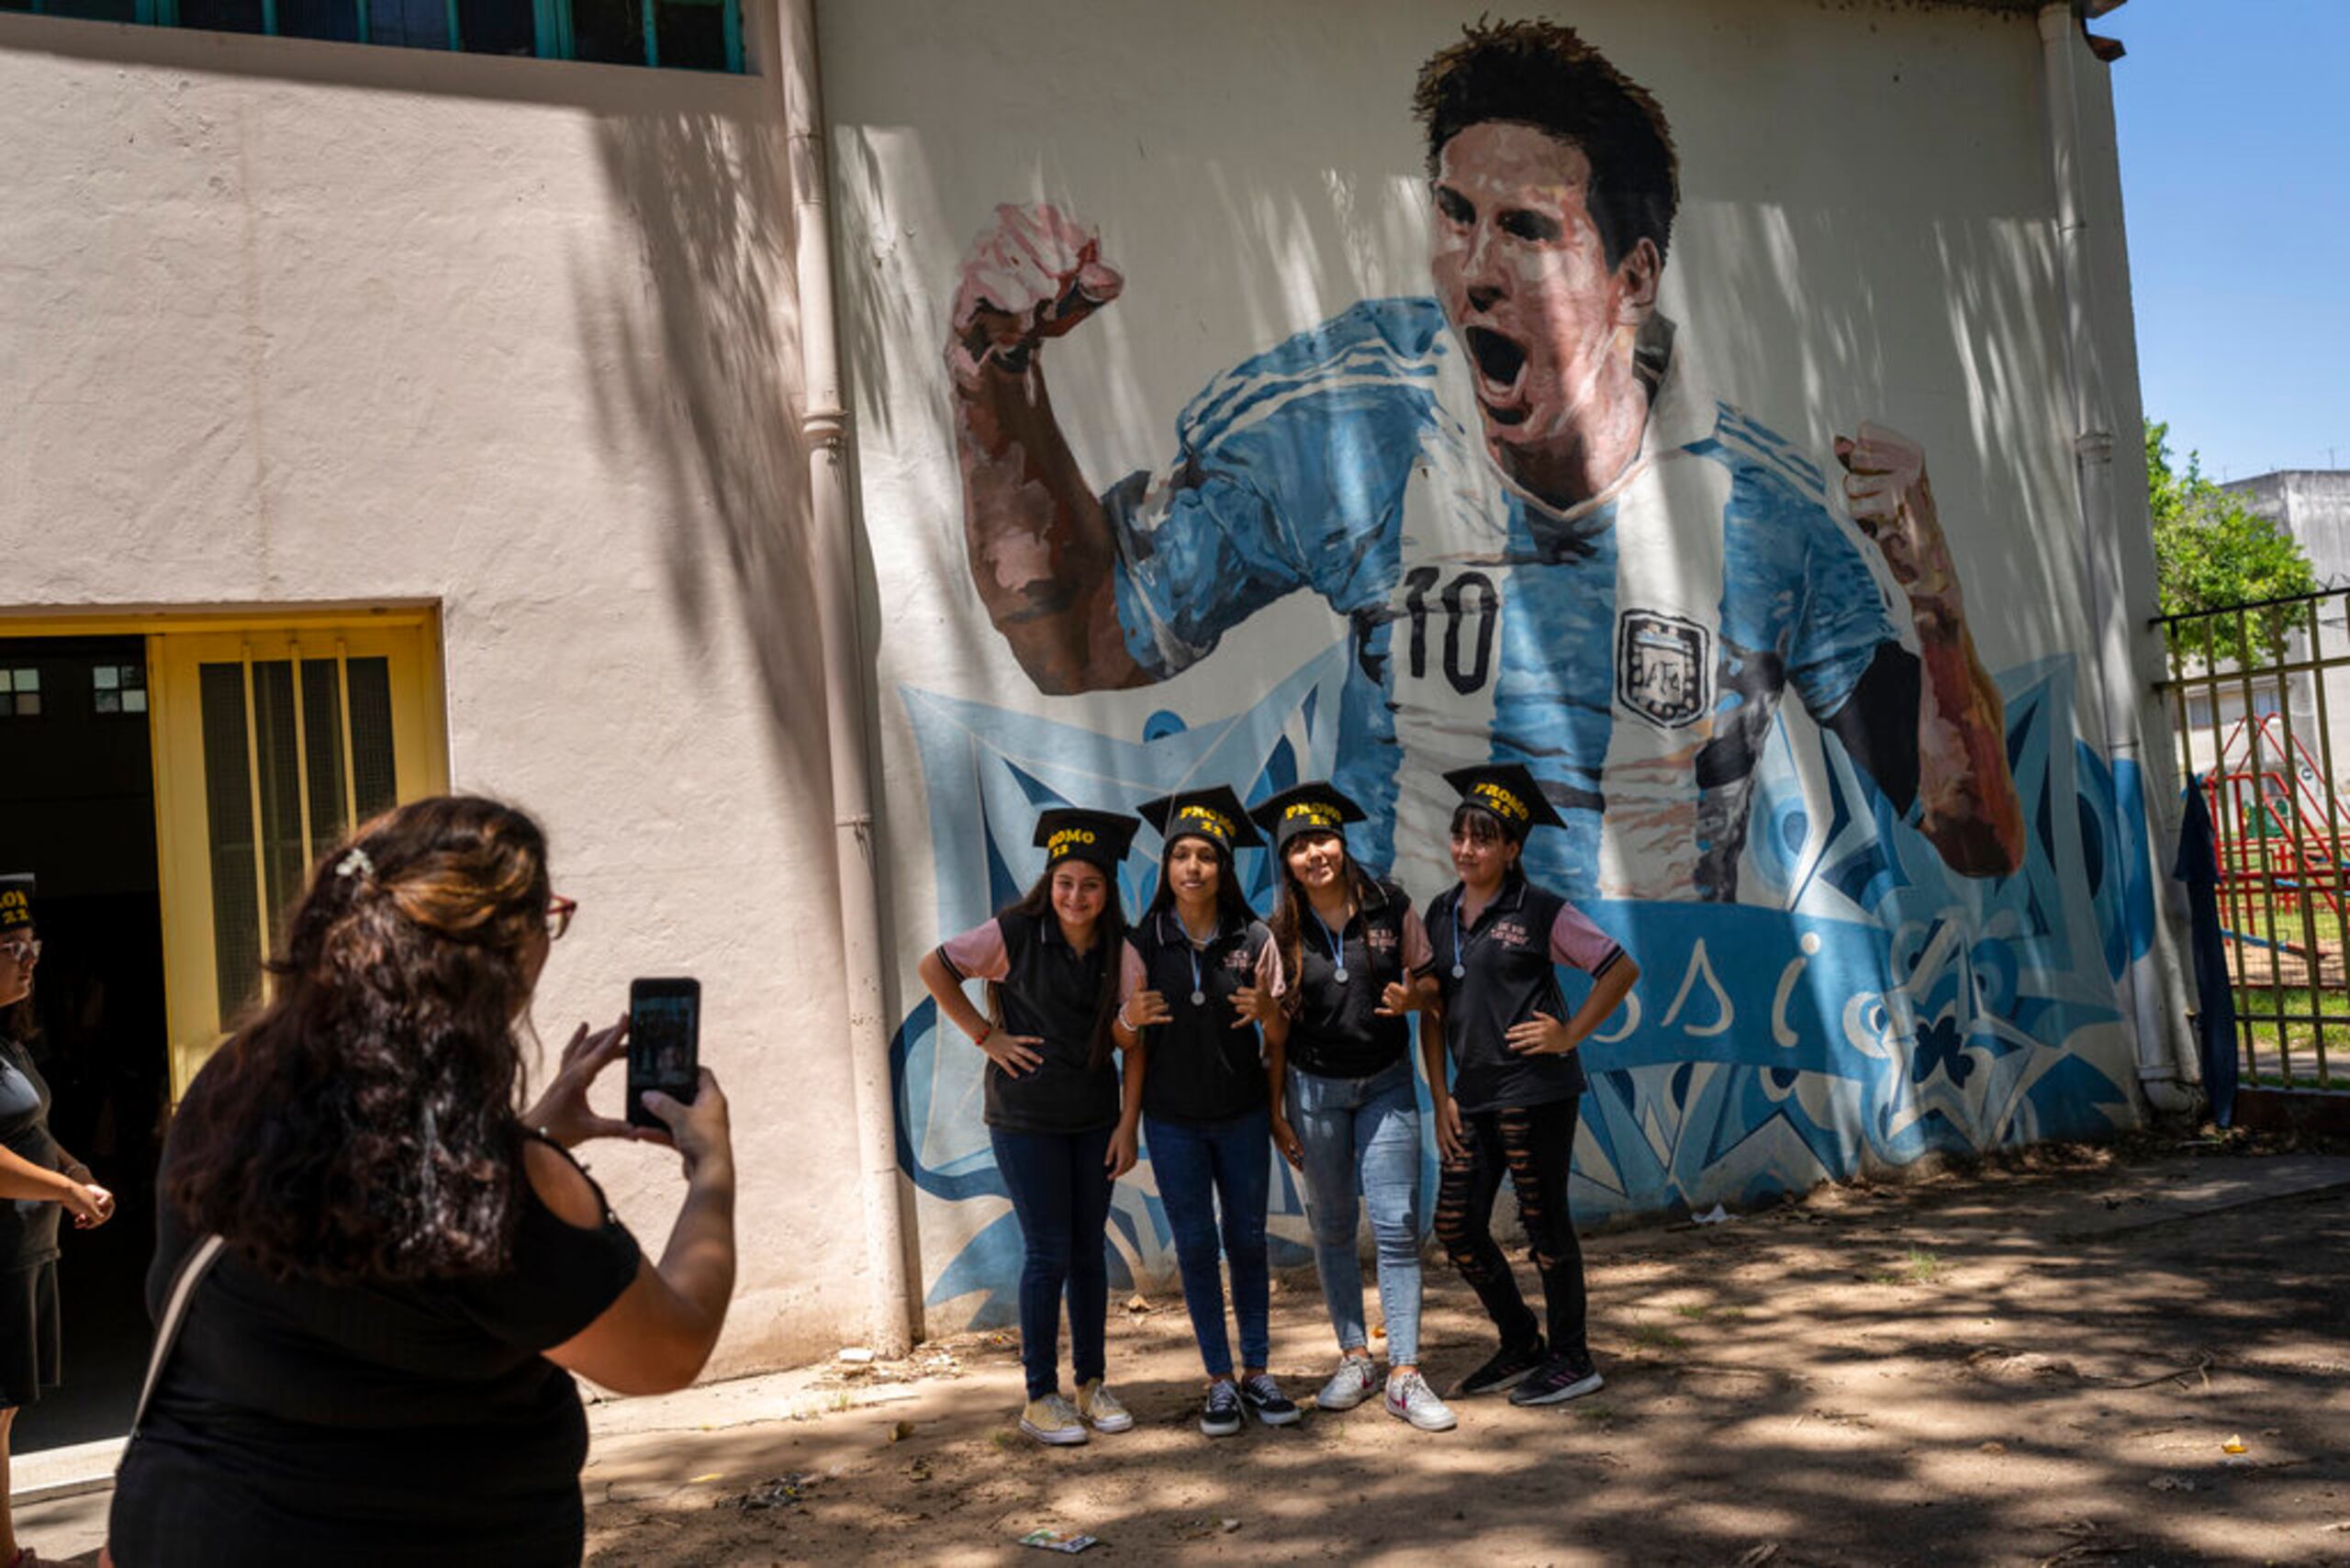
column 2034, row 1366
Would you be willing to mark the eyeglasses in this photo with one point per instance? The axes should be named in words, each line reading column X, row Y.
column 559, row 913
column 24, row 950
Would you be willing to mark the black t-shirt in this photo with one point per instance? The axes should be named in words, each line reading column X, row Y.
column 1050, row 991
column 1337, row 1031
column 1201, row 1068
column 1510, row 953
column 27, row 1226
column 304, row 1423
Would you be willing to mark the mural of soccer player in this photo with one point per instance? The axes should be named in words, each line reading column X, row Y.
column 1513, row 490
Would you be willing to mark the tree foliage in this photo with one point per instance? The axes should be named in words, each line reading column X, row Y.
column 2214, row 553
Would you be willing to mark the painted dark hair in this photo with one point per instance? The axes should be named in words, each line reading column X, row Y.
column 1288, row 922
column 1231, row 903
column 1109, row 932
column 1544, row 75
column 361, row 1125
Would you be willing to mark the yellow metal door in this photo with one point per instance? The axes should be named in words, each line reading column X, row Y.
column 271, row 743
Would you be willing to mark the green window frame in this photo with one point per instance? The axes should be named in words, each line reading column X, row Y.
column 695, row 35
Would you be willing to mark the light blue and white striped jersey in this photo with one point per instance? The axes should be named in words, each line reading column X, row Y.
column 1631, row 652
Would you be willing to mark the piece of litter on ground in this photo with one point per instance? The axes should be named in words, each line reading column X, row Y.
column 1716, row 1215
column 1053, row 1540
column 856, row 1356
column 1378, row 1331
column 1137, row 1304
column 776, row 1491
column 2233, row 1445
column 899, row 1431
column 1994, row 1447
column 705, row 1479
column 1229, row 1525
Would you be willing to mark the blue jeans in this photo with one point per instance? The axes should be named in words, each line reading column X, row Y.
column 1202, row 1168
column 1061, row 1190
column 1362, row 1136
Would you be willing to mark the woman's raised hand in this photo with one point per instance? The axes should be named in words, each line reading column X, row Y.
column 700, row 1131
column 1145, row 1008
column 562, row 1111
column 1255, row 1005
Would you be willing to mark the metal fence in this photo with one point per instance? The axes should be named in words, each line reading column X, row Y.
column 2259, row 694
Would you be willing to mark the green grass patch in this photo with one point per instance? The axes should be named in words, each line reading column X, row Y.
column 1656, row 1336
column 1920, row 1268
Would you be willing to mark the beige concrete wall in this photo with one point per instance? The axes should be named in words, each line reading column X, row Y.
column 287, row 321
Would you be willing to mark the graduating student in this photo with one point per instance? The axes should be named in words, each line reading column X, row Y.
column 1061, row 1129
column 1516, row 1084
column 1201, row 973
column 1350, row 946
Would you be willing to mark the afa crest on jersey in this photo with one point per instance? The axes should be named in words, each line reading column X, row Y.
column 1663, row 666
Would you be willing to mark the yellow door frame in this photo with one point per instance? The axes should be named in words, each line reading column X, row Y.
column 178, row 644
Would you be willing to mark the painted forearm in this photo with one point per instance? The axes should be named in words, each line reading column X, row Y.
column 1967, row 803
column 1041, row 548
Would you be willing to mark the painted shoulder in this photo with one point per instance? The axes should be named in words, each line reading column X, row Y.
column 1378, row 351
column 1752, row 448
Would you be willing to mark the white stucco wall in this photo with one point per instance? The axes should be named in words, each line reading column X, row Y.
column 286, row 322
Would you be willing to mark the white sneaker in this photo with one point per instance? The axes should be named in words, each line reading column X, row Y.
column 1349, row 1386
column 1409, row 1399
column 1101, row 1409
column 1052, row 1419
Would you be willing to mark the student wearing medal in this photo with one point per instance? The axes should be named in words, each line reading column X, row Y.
column 1200, row 980
column 1351, row 948
column 1061, row 1128
column 1516, row 1084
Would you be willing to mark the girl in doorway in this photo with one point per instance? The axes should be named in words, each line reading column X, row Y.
column 44, row 1180
column 1061, row 1128
column 1200, row 977
column 1345, row 1113
column 1516, row 1083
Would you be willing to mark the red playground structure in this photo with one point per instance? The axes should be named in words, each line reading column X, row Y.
column 2278, row 826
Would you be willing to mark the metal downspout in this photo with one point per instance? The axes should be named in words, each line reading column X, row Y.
column 2155, row 1026
column 825, row 427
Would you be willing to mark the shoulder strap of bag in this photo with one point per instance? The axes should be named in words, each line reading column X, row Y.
column 193, row 1267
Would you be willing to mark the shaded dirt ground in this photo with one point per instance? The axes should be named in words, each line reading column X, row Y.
column 2037, row 1365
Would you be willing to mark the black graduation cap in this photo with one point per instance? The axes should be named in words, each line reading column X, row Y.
column 16, row 900
column 1311, row 807
column 1509, row 792
column 1214, row 814
column 1100, row 838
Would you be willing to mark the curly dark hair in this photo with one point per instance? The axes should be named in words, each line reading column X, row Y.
column 361, row 1125
column 1543, row 74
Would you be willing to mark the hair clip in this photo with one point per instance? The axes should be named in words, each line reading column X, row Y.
column 355, row 864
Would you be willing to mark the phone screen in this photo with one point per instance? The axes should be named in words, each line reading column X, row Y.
column 664, row 1042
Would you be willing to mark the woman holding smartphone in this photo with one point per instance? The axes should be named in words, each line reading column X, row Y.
column 1061, row 1128
column 1516, row 1083
column 1344, row 1113
column 1199, row 975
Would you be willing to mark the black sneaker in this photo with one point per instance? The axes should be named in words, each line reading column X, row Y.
column 1220, row 1417
column 1263, row 1395
column 1560, row 1378
column 1509, row 1367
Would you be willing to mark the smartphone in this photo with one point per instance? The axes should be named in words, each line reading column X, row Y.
column 663, row 1043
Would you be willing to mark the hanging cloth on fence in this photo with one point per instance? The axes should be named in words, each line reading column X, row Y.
column 2197, row 866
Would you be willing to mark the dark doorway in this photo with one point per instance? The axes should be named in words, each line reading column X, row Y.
column 77, row 809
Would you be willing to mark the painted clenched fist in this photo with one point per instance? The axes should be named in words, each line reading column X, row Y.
column 1035, row 274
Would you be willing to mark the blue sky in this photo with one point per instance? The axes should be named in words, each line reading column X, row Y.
column 2234, row 121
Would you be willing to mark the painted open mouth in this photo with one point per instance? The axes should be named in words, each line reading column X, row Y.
column 1501, row 368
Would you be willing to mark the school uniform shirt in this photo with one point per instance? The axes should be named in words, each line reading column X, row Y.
column 1337, row 1031
column 1200, row 1067
column 1050, row 991
column 1508, row 953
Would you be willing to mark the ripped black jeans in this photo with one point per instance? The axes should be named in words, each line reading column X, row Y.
column 1532, row 1146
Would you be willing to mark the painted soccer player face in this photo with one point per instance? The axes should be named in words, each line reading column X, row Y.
column 1193, row 870
column 1547, row 324
column 1079, row 894
column 1316, row 860
column 1481, row 856
column 16, row 965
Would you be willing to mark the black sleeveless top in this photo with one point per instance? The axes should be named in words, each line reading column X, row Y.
column 1201, row 1068
column 1050, row 991
column 1337, row 1031
column 304, row 1423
